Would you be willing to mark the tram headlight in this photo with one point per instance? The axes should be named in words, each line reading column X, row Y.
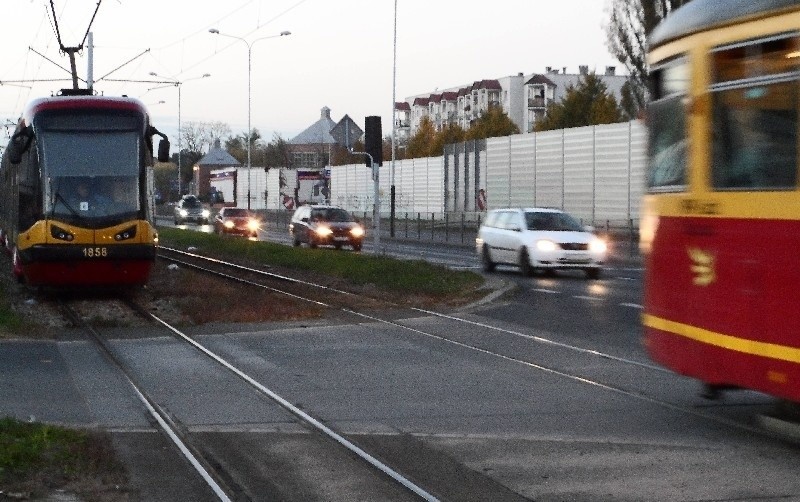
column 128, row 233
column 545, row 245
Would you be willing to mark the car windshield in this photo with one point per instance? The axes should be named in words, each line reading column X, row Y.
column 559, row 222
column 192, row 203
column 331, row 215
column 235, row 213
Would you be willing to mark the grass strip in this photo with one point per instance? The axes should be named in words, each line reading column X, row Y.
column 390, row 274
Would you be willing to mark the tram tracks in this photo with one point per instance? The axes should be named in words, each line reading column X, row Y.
column 451, row 336
column 221, row 483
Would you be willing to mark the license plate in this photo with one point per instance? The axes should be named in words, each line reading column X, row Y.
column 340, row 239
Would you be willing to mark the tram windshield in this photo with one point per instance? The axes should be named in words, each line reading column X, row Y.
column 101, row 198
column 91, row 165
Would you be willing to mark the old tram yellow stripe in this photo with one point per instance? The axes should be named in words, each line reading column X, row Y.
column 752, row 347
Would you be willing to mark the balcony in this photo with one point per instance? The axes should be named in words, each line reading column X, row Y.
column 536, row 103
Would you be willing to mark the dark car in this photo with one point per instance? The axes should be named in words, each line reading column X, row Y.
column 190, row 208
column 319, row 225
column 237, row 221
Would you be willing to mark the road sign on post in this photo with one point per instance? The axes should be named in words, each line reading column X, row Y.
column 376, row 208
column 346, row 132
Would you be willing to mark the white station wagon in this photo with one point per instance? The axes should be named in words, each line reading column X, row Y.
column 539, row 239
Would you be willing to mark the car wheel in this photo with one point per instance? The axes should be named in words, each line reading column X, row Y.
column 486, row 259
column 525, row 263
column 592, row 273
column 296, row 242
column 312, row 244
column 337, row 246
column 356, row 247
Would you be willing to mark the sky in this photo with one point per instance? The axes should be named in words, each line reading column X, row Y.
column 340, row 53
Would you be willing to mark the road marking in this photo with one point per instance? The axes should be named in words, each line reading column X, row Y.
column 631, row 305
column 581, row 297
column 548, row 291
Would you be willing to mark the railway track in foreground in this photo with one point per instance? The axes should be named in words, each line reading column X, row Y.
column 450, row 328
column 222, row 483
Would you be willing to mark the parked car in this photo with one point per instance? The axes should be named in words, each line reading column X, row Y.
column 189, row 208
column 237, row 221
column 539, row 239
column 318, row 225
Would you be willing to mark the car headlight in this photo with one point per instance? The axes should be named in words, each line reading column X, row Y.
column 356, row 231
column 323, row 231
column 598, row 246
column 206, row 213
column 545, row 245
column 183, row 212
column 252, row 224
column 227, row 224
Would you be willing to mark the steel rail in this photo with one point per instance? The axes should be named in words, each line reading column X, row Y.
column 168, row 427
column 548, row 369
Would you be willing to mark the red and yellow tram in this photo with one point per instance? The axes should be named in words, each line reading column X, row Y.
column 720, row 224
column 76, row 192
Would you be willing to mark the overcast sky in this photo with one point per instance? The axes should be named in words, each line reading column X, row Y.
column 339, row 53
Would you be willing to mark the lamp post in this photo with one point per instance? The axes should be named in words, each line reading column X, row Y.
column 394, row 121
column 178, row 84
column 249, row 93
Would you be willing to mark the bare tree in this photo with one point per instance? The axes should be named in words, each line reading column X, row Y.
column 630, row 23
column 218, row 130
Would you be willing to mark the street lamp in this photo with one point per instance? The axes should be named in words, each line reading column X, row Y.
column 249, row 93
column 178, row 84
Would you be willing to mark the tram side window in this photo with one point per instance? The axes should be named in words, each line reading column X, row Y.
column 755, row 107
column 666, row 117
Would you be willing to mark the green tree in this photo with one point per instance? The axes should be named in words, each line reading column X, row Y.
column 449, row 134
column 589, row 103
column 237, row 147
column 491, row 124
column 421, row 143
column 630, row 22
column 277, row 153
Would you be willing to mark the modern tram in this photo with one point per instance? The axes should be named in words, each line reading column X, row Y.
column 76, row 192
column 720, row 221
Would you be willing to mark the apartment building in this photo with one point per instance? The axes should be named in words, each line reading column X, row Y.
column 524, row 98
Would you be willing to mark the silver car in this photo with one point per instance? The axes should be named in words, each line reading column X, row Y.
column 539, row 239
column 190, row 208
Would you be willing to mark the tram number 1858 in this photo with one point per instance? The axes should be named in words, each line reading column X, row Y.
column 95, row 252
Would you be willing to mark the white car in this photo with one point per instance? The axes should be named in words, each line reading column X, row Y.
column 539, row 239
